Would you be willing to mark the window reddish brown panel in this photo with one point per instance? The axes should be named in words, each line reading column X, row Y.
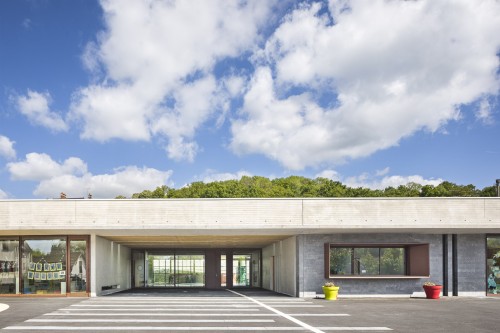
column 376, row 260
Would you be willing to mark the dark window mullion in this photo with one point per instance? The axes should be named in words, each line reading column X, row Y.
column 379, row 249
column 353, row 272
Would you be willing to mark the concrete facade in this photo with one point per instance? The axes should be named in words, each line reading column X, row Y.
column 112, row 266
column 216, row 216
column 280, row 267
column 290, row 233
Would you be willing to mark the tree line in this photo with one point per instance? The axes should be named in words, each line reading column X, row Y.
column 302, row 187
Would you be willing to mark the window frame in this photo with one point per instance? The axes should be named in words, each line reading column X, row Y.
column 416, row 257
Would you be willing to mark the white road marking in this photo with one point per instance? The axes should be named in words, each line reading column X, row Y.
column 165, row 306
column 199, row 314
column 188, row 299
column 183, row 328
column 284, row 315
column 151, row 320
column 349, row 328
column 164, row 309
column 296, row 306
column 195, row 302
column 3, row 307
column 112, row 315
column 319, row 314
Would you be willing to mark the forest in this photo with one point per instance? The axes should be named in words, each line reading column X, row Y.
column 302, row 187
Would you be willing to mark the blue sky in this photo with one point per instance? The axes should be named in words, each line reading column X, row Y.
column 114, row 97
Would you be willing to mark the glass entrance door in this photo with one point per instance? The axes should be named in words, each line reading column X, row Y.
column 175, row 270
column 241, row 270
column 78, row 266
column 161, row 270
column 493, row 265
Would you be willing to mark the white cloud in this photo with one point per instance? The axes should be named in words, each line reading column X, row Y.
column 484, row 112
column 365, row 180
column 382, row 172
column 39, row 167
column 328, row 174
column 35, row 106
column 377, row 181
column 396, row 67
column 158, row 59
column 3, row 195
column 194, row 103
column 7, row 148
column 123, row 181
column 213, row 176
column 71, row 177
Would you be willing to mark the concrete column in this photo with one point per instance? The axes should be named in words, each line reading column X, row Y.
column 93, row 265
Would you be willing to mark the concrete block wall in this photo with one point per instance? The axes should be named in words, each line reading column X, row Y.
column 471, row 265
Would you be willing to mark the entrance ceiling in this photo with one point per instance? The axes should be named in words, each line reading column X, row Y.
column 205, row 241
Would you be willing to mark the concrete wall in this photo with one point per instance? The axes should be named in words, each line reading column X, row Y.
column 287, row 216
column 111, row 266
column 268, row 257
column 471, row 265
column 283, row 253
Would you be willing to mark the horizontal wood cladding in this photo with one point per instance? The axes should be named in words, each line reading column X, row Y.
column 297, row 214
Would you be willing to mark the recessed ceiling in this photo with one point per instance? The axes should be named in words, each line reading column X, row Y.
column 206, row 241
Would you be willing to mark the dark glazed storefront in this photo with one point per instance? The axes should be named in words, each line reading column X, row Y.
column 44, row 265
column 196, row 268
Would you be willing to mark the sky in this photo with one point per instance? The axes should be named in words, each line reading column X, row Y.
column 113, row 97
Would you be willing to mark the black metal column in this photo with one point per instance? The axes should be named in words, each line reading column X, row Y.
column 445, row 265
column 454, row 263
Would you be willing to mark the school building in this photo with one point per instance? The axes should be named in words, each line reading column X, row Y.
column 368, row 246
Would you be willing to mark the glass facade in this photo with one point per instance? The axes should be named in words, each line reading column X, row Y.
column 223, row 270
column 138, row 268
column 241, row 270
column 78, row 265
column 9, row 266
column 44, row 266
column 367, row 261
column 493, row 264
column 176, row 270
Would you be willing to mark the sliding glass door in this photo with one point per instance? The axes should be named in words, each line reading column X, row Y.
column 166, row 269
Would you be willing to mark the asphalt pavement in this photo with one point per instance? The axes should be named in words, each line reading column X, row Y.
column 246, row 310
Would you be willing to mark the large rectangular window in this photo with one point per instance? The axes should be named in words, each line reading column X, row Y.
column 44, row 266
column 367, row 261
column 346, row 260
column 9, row 266
column 175, row 270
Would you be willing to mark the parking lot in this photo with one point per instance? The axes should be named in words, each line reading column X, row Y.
column 246, row 310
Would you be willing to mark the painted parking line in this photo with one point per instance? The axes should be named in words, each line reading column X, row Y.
column 284, row 315
column 195, row 314
column 190, row 306
column 248, row 305
column 151, row 320
column 163, row 309
column 112, row 303
column 248, row 315
column 3, row 307
column 350, row 328
column 189, row 328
